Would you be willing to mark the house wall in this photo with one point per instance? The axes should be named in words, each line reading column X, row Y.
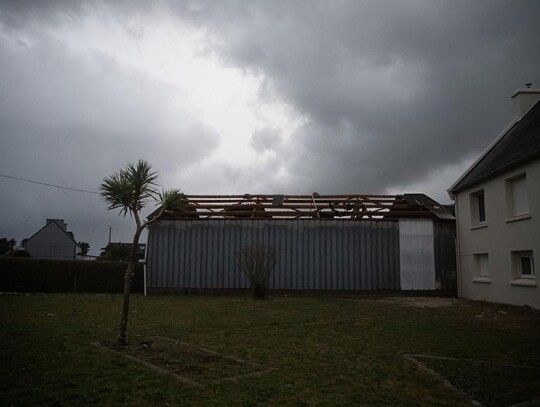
column 313, row 254
column 498, row 238
column 51, row 242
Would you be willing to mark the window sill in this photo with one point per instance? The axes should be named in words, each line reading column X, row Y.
column 518, row 217
column 525, row 282
column 479, row 226
column 483, row 280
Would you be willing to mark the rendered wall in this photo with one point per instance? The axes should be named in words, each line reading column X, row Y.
column 498, row 239
column 51, row 242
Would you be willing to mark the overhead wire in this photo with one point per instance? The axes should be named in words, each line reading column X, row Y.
column 49, row 185
column 60, row 187
column 120, row 233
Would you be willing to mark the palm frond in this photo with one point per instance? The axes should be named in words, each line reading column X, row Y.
column 172, row 199
column 130, row 188
column 143, row 181
column 116, row 192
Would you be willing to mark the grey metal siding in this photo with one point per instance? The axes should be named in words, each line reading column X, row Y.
column 312, row 254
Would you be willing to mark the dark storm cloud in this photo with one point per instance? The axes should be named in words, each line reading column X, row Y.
column 391, row 92
column 72, row 120
column 92, row 110
column 393, row 89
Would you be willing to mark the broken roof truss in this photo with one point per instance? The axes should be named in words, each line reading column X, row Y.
column 315, row 206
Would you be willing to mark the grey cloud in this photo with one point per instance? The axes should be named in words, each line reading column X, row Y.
column 16, row 13
column 419, row 84
column 86, row 111
column 392, row 91
column 72, row 121
column 266, row 139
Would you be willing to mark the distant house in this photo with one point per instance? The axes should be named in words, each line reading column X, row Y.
column 497, row 203
column 52, row 241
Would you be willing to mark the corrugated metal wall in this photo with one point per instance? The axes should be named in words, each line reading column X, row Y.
column 312, row 254
column 417, row 254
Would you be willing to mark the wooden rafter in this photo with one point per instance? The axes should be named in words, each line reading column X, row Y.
column 355, row 207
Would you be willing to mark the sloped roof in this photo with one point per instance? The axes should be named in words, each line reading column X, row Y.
column 54, row 221
column 440, row 211
column 520, row 144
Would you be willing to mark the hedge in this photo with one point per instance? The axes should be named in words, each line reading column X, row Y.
column 30, row 275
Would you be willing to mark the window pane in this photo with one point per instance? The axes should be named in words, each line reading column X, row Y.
column 483, row 265
column 520, row 200
column 481, row 208
column 526, row 266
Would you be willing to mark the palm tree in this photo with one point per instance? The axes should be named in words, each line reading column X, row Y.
column 84, row 246
column 129, row 190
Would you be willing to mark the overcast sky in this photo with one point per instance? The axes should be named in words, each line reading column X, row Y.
column 234, row 97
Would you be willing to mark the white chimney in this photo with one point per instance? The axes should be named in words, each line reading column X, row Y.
column 524, row 100
column 59, row 222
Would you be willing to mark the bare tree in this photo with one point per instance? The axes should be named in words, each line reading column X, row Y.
column 257, row 263
column 130, row 190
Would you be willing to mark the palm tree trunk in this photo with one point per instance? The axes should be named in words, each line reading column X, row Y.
column 122, row 338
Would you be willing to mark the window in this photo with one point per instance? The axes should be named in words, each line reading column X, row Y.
column 523, row 264
column 517, row 197
column 478, row 208
column 481, row 264
column 526, row 266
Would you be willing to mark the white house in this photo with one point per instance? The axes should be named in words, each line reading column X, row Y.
column 52, row 241
column 497, row 203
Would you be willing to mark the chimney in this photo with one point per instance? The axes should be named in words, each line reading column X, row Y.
column 524, row 100
column 59, row 222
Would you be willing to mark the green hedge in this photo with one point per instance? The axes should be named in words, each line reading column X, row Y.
column 54, row 276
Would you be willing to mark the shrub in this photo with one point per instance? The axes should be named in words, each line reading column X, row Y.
column 257, row 263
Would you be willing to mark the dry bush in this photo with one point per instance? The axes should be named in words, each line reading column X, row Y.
column 257, row 263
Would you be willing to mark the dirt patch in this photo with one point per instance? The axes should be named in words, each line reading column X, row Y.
column 489, row 383
column 420, row 302
column 188, row 363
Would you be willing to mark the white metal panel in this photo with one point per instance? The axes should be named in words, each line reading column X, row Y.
column 416, row 254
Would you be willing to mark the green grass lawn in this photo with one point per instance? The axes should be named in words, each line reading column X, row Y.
column 311, row 351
